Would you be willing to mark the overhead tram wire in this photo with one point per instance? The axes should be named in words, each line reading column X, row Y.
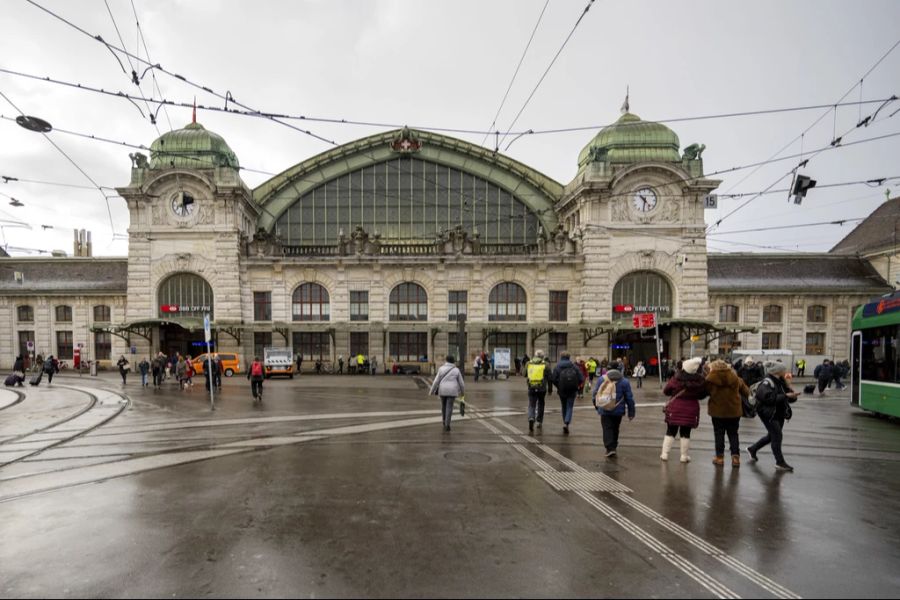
column 840, row 222
column 547, row 70
column 143, row 39
column 830, row 107
column 511, row 81
column 75, row 164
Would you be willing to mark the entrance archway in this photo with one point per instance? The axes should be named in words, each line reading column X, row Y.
column 174, row 338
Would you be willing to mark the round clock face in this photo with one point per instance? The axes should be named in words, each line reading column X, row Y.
column 183, row 204
column 644, row 200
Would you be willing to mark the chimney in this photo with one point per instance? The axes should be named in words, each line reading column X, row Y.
column 90, row 246
column 76, row 251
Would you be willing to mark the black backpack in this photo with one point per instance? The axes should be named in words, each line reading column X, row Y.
column 568, row 380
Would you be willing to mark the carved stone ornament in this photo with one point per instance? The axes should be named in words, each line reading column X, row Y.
column 405, row 143
column 265, row 243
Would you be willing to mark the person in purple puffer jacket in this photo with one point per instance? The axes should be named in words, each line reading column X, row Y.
column 685, row 390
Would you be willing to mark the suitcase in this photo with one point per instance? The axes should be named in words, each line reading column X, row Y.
column 809, row 389
column 36, row 379
column 11, row 381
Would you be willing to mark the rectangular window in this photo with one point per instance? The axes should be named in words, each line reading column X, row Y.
column 815, row 314
column 453, row 345
column 457, row 304
column 409, row 347
column 728, row 314
column 64, row 345
column 771, row 341
column 558, row 343
column 559, row 306
column 815, row 343
column 25, row 314
column 63, row 314
column 312, row 345
column 880, row 359
column 261, row 339
column 728, row 342
column 359, row 306
column 262, row 306
column 24, row 338
column 359, row 344
column 772, row 314
column 102, row 345
column 102, row 314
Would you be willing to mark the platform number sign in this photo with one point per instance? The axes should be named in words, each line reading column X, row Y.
column 711, row 201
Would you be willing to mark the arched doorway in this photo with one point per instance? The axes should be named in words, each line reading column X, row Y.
column 183, row 300
column 640, row 292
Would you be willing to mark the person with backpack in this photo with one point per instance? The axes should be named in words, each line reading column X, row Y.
column 123, row 368
column 685, row 390
column 51, row 366
column 255, row 375
column 751, row 372
column 774, row 397
column 726, row 409
column 448, row 384
column 567, row 378
column 537, row 373
column 640, row 371
column 824, row 374
column 611, row 396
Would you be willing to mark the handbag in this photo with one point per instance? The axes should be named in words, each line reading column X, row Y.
column 665, row 407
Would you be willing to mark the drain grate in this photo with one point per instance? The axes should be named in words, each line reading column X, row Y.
column 582, row 482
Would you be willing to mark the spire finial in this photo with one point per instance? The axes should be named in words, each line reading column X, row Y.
column 194, row 116
column 625, row 106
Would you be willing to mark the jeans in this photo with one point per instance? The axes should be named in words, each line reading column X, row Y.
column 722, row 425
column 447, row 409
column 568, row 405
column 685, row 430
column 536, row 405
column 774, row 437
column 143, row 379
column 640, row 382
column 611, row 424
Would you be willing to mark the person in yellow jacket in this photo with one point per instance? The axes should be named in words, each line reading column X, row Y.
column 591, row 365
column 537, row 373
column 360, row 364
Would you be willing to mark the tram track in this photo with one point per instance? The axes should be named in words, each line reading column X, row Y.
column 20, row 396
column 93, row 401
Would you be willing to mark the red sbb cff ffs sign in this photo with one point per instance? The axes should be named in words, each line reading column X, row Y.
column 643, row 320
column 623, row 308
column 169, row 308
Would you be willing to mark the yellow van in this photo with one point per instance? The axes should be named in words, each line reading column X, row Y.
column 231, row 363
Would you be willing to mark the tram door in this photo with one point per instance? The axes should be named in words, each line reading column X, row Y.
column 856, row 347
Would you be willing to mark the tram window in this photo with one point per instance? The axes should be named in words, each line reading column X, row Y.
column 879, row 354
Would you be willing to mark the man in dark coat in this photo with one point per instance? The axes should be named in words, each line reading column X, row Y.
column 773, row 399
column 824, row 374
column 567, row 378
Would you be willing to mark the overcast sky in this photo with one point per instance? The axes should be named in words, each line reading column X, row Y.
column 448, row 64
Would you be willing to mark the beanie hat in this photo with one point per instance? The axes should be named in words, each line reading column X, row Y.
column 614, row 375
column 776, row 369
column 691, row 366
column 748, row 360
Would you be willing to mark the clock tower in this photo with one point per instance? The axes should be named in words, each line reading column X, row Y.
column 637, row 202
column 190, row 213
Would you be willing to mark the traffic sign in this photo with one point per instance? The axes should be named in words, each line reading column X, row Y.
column 29, row 345
column 206, row 331
column 643, row 320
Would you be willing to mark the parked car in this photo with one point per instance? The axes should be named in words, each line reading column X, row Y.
column 231, row 363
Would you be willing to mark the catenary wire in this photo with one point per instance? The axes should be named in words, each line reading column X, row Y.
column 143, row 39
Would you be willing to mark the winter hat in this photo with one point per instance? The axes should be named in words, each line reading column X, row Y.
column 691, row 366
column 776, row 369
column 614, row 375
column 748, row 360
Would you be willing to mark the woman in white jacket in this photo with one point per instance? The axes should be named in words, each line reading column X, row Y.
column 448, row 384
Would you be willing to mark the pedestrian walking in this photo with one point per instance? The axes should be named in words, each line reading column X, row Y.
column 726, row 409
column 448, row 384
column 255, row 375
column 476, row 366
column 801, row 367
column 774, row 397
column 217, row 370
column 582, row 366
column 299, row 363
column 19, row 371
column 538, row 376
column 640, row 371
column 485, row 364
column 839, row 370
column 751, row 372
column 341, row 364
column 612, row 396
column 591, row 365
column 144, row 367
column 374, row 365
column 51, row 366
column 567, row 378
column 824, row 373
column 685, row 390
column 123, row 368
column 181, row 372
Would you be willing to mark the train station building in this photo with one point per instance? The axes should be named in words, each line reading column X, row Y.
column 380, row 245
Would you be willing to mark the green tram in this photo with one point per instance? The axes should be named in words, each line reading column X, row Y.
column 875, row 363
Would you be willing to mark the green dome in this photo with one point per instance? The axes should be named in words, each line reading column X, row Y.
column 191, row 148
column 630, row 140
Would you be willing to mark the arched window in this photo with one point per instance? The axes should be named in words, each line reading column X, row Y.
column 507, row 302
column 816, row 313
column 729, row 313
column 102, row 313
column 645, row 291
column 772, row 313
column 409, row 302
column 311, row 303
column 185, row 295
column 63, row 314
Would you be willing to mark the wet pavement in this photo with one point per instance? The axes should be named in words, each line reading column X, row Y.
column 348, row 487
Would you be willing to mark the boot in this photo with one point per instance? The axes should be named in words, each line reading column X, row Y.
column 685, row 444
column 667, row 445
column 719, row 460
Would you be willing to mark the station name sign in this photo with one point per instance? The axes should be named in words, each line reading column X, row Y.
column 176, row 309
